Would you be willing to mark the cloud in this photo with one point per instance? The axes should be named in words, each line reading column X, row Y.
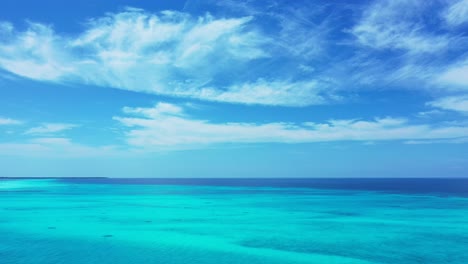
column 430, row 113
column 169, row 53
column 167, row 126
column 283, row 93
column 49, row 128
column 457, row 13
column 57, row 147
column 395, row 24
column 9, row 121
column 461, row 140
column 275, row 53
column 300, row 29
column 172, row 53
column 399, row 44
column 456, row 76
column 36, row 53
column 453, row 103
column 119, row 46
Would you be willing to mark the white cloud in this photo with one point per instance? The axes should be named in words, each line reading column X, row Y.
column 159, row 109
column 457, row 13
column 285, row 93
column 169, row 53
column 301, row 33
column 395, row 24
column 158, row 128
column 49, row 128
column 455, row 77
column 460, row 140
column 454, row 103
column 57, row 147
column 401, row 45
column 301, row 30
column 429, row 114
column 9, row 121
column 294, row 55
column 36, row 53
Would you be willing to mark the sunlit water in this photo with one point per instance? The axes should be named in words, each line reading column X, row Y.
column 105, row 221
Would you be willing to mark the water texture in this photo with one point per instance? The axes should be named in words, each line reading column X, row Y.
column 233, row 221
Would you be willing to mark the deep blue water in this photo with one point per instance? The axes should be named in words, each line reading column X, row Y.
column 438, row 186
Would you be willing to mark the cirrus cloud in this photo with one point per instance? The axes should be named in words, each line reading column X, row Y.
column 167, row 126
column 57, row 147
column 49, row 128
column 264, row 54
column 9, row 121
column 168, row 53
column 457, row 13
column 453, row 103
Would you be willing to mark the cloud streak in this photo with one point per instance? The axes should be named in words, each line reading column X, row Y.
column 393, row 24
column 277, row 53
column 166, row 125
column 453, row 103
column 169, row 53
column 57, row 147
column 50, row 128
column 457, row 13
column 455, row 77
column 9, row 121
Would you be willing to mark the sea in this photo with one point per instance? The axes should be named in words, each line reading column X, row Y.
column 208, row 221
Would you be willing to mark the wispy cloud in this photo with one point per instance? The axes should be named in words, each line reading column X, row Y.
column 176, row 54
column 454, row 77
column 274, row 53
column 284, row 93
column 399, row 44
column 50, row 128
column 457, row 13
column 301, row 29
column 36, row 53
column 169, row 53
column 9, row 121
column 57, row 147
column 453, row 103
column 166, row 125
column 395, row 24
column 460, row 140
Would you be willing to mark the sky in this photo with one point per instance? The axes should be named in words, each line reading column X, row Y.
column 228, row 88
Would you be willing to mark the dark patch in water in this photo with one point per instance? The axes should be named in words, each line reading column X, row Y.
column 435, row 186
column 32, row 209
column 107, row 236
column 343, row 213
column 23, row 191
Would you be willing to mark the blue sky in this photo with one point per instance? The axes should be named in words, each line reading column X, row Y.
column 234, row 88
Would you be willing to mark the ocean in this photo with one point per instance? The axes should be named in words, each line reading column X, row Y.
column 205, row 221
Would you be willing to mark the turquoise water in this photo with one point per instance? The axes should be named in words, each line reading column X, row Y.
column 56, row 221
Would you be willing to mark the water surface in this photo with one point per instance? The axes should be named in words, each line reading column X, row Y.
column 233, row 221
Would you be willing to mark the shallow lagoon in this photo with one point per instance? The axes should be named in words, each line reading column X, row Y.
column 104, row 221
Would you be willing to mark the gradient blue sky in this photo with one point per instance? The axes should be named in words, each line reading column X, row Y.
column 234, row 88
